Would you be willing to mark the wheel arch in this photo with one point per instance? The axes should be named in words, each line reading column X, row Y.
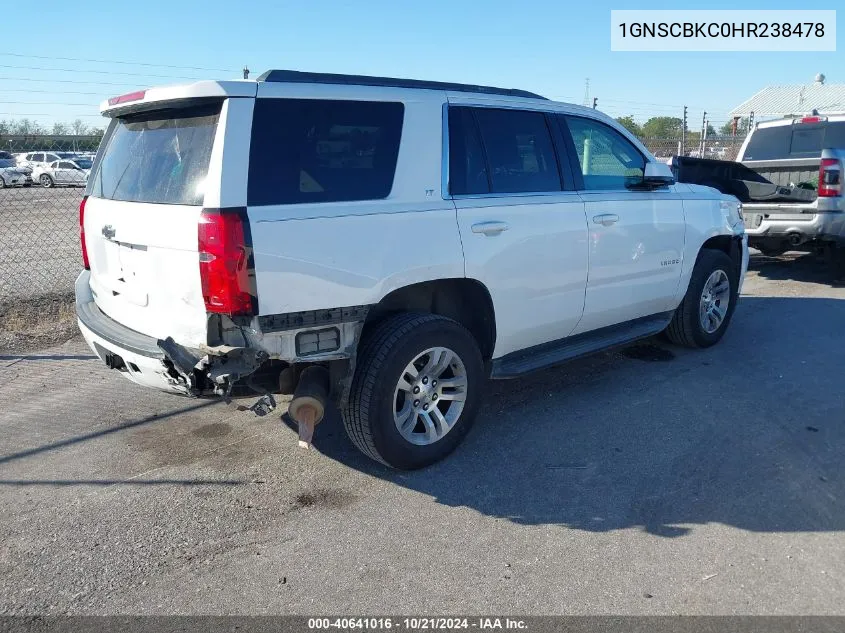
column 464, row 300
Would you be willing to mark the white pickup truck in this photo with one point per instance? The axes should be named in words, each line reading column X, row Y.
column 808, row 152
column 386, row 243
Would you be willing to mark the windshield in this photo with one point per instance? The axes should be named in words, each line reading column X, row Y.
column 159, row 157
column 7, row 162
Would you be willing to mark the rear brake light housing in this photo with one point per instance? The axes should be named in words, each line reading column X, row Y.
column 85, row 262
column 830, row 178
column 223, row 261
column 128, row 98
column 811, row 119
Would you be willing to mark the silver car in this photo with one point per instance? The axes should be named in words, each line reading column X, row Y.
column 11, row 175
column 63, row 172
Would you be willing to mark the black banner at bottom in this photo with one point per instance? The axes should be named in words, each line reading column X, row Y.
column 535, row 624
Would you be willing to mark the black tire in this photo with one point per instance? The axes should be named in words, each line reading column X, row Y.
column 384, row 353
column 2, row 183
column 46, row 181
column 685, row 328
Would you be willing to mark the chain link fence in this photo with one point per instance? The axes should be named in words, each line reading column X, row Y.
column 42, row 180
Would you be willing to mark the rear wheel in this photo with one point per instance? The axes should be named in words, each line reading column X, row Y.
column 2, row 183
column 703, row 316
column 46, row 181
column 416, row 390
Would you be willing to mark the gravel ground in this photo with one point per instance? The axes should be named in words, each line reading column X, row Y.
column 648, row 481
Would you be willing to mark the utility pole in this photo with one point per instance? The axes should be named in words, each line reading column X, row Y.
column 595, row 102
column 246, row 72
column 701, row 137
column 586, row 92
column 684, row 134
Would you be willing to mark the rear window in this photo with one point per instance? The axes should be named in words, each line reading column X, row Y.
column 800, row 140
column 159, row 157
column 308, row 150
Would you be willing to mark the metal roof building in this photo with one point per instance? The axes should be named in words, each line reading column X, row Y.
column 780, row 101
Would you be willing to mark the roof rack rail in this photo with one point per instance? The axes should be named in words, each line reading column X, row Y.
column 295, row 76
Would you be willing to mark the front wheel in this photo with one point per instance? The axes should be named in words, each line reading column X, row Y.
column 416, row 390
column 706, row 310
column 2, row 183
column 46, row 181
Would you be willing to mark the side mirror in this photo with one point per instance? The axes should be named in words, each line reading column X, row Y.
column 657, row 175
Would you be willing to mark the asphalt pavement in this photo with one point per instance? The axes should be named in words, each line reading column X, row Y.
column 652, row 480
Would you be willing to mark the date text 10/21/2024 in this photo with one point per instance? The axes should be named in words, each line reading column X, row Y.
column 417, row 623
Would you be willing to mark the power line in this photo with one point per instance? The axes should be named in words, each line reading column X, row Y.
column 64, row 92
column 58, row 103
column 113, row 61
column 27, row 115
column 69, row 81
column 99, row 72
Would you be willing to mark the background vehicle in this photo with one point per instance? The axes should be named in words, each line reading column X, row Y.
column 737, row 180
column 386, row 243
column 801, row 153
column 10, row 174
column 63, row 172
column 44, row 158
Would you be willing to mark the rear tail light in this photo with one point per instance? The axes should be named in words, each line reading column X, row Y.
column 830, row 178
column 813, row 119
column 223, row 263
column 82, row 233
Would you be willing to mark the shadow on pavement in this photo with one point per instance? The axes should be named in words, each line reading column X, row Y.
column 122, row 482
column 804, row 267
column 5, row 459
column 749, row 433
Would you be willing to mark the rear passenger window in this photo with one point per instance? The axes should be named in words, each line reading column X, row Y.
column 607, row 159
column 467, row 167
column 306, row 150
column 519, row 150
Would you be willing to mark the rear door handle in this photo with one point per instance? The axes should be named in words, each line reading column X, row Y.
column 606, row 219
column 490, row 228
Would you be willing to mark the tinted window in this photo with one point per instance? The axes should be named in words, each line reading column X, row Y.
column 159, row 157
column 794, row 141
column 467, row 166
column 66, row 165
column 607, row 159
column 306, row 150
column 519, row 151
column 7, row 162
column 38, row 158
column 52, row 157
column 807, row 140
column 83, row 163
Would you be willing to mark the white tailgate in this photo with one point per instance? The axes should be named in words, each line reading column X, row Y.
column 145, row 267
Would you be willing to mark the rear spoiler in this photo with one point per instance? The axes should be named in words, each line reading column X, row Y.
column 155, row 98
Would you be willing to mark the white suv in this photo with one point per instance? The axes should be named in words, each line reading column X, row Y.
column 386, row 243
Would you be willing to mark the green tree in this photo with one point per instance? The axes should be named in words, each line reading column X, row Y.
column 59, row 129
column 79, row 128
column 629, row 124
column 741, row 127
column 663, row 127
column 5, row 127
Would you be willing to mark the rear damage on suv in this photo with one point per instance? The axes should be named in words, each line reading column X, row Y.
column 168, row 295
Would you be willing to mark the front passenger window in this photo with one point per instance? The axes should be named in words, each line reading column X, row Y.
column 607, row 159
